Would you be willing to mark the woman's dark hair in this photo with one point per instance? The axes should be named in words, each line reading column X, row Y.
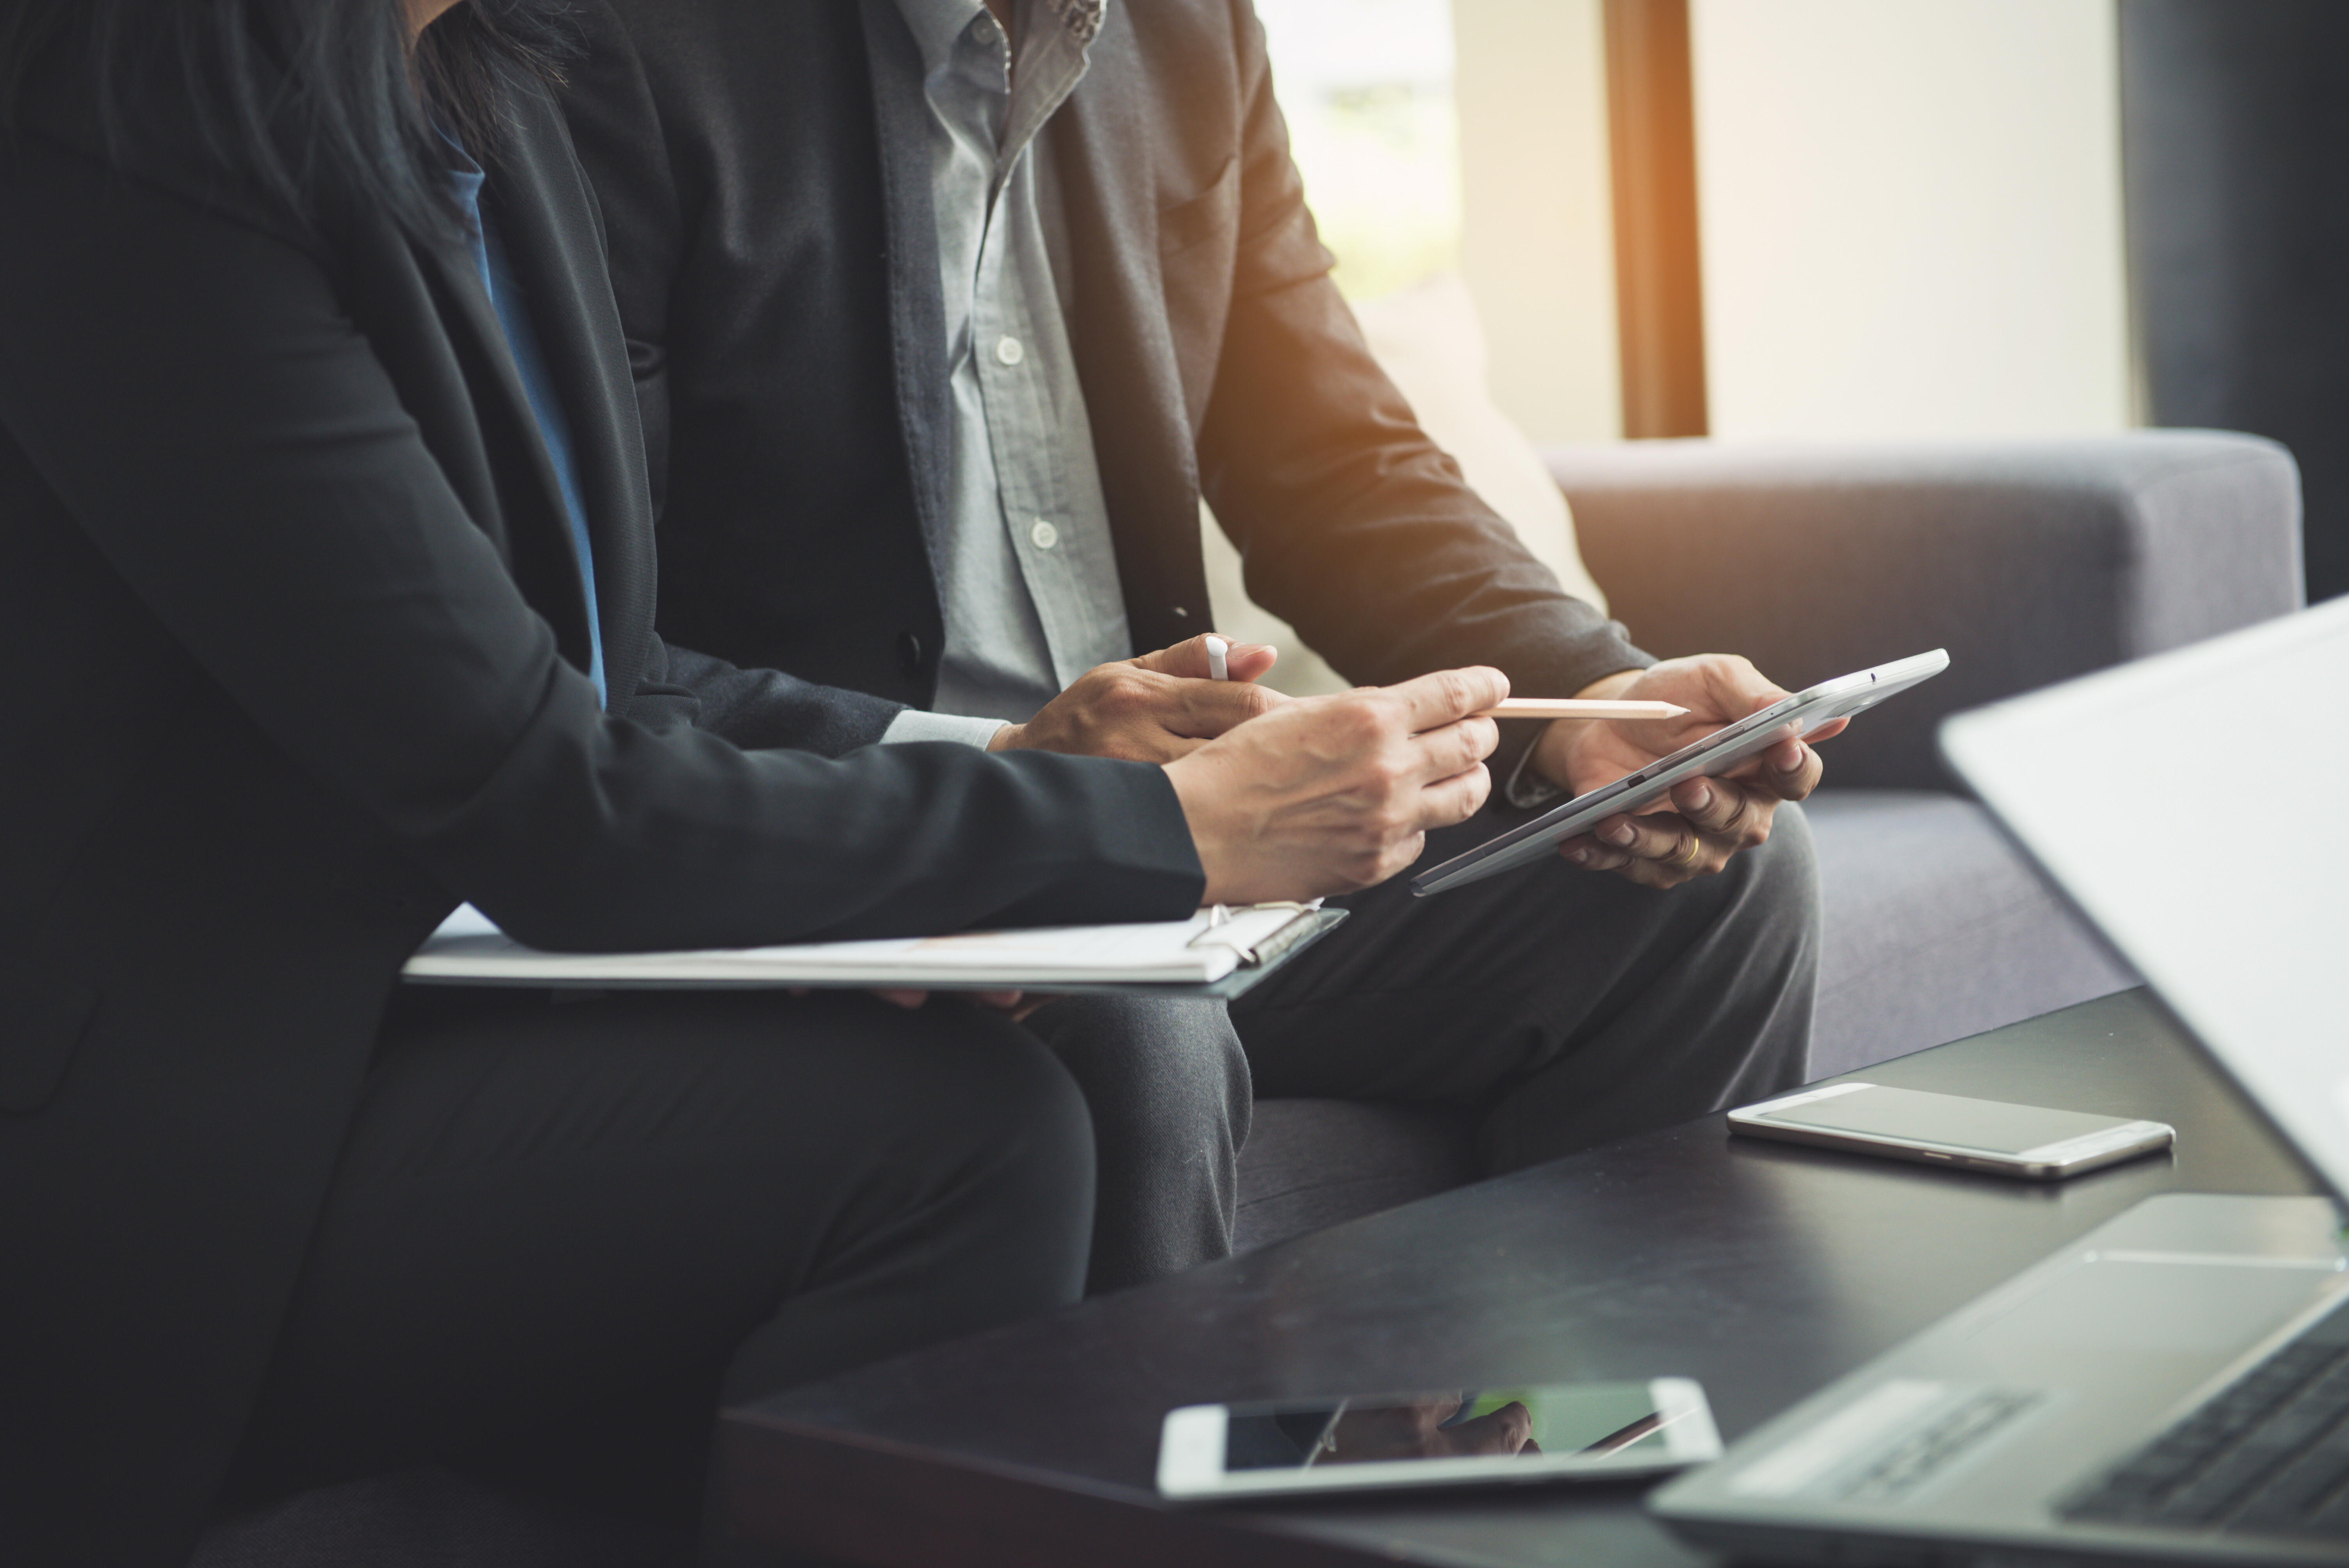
column 307, row 98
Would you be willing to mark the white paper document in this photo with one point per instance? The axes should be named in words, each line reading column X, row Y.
column 469, row 950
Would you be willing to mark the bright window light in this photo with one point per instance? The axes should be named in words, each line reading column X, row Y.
column 1367, row 88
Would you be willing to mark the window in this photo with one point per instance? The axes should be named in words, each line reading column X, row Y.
column 1367, row 86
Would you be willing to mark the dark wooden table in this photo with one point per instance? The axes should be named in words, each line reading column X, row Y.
column 1763, row 1270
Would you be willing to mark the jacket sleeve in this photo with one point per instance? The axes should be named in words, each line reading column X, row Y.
column 761, row 708
column 195, row 393
column 1356, row 528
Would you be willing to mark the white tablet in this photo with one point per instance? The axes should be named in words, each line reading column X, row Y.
column 1804, row 713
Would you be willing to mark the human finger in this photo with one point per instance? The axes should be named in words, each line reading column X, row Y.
column 1243, row 662
column 1665, row 840
column 1587, row 853
column 1724, row 808
column 1790, row 771
column 1250, row 660
column 1455, row 748
column 1455, row 798
column 1502, row 1432
column 1209, row 708
column 1736, row 687
column 1784, row 754
column 1659, row 851
column 1445, row 695
column 901, row 997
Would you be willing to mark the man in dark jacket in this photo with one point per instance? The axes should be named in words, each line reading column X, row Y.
column 945, row 316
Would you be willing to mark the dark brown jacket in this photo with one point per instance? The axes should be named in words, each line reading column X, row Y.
column 764, row 166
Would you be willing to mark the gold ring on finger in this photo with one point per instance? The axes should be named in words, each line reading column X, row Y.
column 1689, row 856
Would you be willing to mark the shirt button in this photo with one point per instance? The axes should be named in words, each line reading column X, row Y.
column 910, row 653
column 1009, row 351
column 1044, row 535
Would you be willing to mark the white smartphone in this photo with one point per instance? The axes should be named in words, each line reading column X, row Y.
column 2026, row 1140
column 1455, row 1438
column 1803, row 713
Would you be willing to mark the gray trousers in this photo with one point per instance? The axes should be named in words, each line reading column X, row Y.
column 1565, row 1008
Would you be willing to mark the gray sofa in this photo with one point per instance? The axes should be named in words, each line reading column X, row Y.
column 2030, row 562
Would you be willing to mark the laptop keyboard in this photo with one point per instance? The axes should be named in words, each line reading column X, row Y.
column 2269, row 1456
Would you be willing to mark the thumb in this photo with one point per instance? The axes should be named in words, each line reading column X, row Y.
column 1250, row 660
column 1188, row 659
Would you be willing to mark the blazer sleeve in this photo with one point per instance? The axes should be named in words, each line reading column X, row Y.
column 195, row 393
column 759, row 709
column 1356, row 528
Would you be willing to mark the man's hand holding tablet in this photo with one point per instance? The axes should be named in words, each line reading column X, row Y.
column 1660, row 801
column 1703, row 822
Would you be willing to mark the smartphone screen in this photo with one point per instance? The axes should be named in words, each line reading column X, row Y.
column 1444, row 1438
column 1593, row 1419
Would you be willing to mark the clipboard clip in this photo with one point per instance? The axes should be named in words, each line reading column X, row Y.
column 1274, row 943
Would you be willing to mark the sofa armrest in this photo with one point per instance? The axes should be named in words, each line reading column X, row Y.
column 2030, row 562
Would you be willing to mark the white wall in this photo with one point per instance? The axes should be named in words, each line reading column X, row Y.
column 1537, row 226
column 1910, row 216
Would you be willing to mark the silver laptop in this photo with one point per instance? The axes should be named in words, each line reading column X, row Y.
column 2173, row 1387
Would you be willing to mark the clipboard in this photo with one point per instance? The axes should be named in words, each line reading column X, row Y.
column 1231, row 951
column 1309, row 928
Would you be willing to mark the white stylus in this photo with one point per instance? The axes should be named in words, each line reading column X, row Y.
column 1508, row 707
column 1580, row 707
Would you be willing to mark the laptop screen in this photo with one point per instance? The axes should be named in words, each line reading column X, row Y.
column 2196, row 806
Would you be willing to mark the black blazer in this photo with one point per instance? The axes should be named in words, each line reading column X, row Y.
column 763, row 164
column 297, row 636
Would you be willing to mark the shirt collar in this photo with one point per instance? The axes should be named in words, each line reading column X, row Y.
column 936, row 24
column 1081, row 19
column 465, row 179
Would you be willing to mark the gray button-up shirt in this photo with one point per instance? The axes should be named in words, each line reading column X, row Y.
column 1030, row 585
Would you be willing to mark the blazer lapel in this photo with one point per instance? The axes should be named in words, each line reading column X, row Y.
column 1126, row 353
column 546, row 215
column 917, row 326
column 523, row 510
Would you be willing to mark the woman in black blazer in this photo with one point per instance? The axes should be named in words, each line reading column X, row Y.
column 303, row 647
column 326, row 574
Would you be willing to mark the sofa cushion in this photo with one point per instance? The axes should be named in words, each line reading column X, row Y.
column 1312, row 1163
column 1937, row 928
column 2031, row 561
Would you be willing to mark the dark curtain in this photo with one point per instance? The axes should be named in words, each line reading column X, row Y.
column 2235, row 138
